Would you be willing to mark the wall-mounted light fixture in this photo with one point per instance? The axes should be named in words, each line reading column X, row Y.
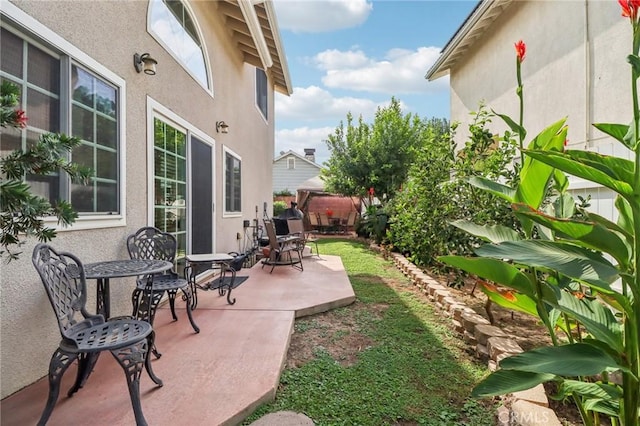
column 145, row 63
column 222, row 127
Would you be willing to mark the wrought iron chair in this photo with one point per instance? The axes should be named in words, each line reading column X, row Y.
column 151, row 243
column 296, row 227
column 84, row 335
column 281, row 249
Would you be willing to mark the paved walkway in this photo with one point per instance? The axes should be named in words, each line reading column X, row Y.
column 216, row 377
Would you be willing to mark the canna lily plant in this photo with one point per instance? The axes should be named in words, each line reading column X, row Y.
column 577, row 273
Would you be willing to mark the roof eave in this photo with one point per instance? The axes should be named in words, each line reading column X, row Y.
column 482, row 16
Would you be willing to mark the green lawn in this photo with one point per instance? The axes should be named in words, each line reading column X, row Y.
column 414, row 372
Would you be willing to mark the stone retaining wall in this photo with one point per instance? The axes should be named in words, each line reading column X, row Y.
column 490, row 343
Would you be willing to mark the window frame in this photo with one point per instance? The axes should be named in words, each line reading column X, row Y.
column 208, row 87
column 31, row 30
column 264, row 113
column 291, row 163
column 230, row 213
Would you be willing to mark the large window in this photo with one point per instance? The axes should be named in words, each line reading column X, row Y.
column 174, row 27
column 262, row 93
column 232, row 182
column 170, row 181
column 60, row 95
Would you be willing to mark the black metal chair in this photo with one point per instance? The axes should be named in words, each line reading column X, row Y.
column 84, row 335
column 151, row 243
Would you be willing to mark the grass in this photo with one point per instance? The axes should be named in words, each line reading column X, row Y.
column 414, row 373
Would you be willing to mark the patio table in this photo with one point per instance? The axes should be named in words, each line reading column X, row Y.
column 103, row 271
column 211, row 261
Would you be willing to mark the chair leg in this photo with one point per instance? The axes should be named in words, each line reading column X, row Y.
column 145, row 309
column 86, row 362
column 172, row 303
column 186, row 291
column 60, row 361
column 147, row 360
column 132, row 359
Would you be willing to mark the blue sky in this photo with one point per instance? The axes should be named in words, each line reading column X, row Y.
column 354, row 55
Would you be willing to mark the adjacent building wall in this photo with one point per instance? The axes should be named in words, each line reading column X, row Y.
column 575, row 67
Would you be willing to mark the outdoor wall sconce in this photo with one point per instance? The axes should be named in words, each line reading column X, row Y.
column 222, row 127
column 145, row 63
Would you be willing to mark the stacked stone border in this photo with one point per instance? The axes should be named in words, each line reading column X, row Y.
column 490, row 343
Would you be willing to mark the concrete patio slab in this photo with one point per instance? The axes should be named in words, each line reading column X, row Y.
column 216, row 377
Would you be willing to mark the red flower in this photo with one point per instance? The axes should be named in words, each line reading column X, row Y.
column 371, row 191
column 630, row 8
column 20, row 119
column 521, row 48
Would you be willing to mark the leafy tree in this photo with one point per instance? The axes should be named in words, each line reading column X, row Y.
column 21, row 212
column 377, row 155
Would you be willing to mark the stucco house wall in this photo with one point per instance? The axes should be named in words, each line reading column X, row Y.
column 107, row 34
column 291, row 178
column 575, row 67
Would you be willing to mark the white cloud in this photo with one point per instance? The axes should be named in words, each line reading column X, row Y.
column 317, row 16
column 315, row 104
column 402, row 71
column 298, row 139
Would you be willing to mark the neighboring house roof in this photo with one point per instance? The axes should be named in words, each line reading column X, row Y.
column 301, row 157
column 254, row 28
column 485, row 12
column 313, row 184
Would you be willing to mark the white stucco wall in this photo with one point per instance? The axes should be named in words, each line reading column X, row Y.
column 110, row 33
column 575, row 67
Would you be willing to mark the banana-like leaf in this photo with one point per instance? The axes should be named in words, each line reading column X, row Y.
column 564, row 206
column 599, row 397
column 595, row 316
column 512, row 124
column 573, row 261
column 588, row 234
column 503, row 191
column 578, row 359
column 611, row 172
column 493, row 270
column 503, row 382
column 613, row 226
column 535, row 175
column 625, row 217
column 491, row 233
column 514, row 301
column 620, row 132
column 561, row 181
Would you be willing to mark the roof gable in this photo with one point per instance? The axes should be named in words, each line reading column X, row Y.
column 295, row 154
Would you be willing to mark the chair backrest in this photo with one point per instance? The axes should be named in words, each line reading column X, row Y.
column 324, row 219
column 271, row 233
column 152, row 243
column 313, row 219
column 296, row 226
column 63, row 277
column 351, row 219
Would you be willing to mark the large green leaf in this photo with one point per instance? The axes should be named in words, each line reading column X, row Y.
column 493, row 270
column 491, row 233
column 599, row 397
column 578, row 359
column 514, row 301
column 495, row 188
column 503, row 382
column 612, row 226
column 512, row 124
column 535, row 175
column 620, row 132
column 625, row 217
column 589, row 234
column 596, row 317
column 611, row 172
column 575, row 262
